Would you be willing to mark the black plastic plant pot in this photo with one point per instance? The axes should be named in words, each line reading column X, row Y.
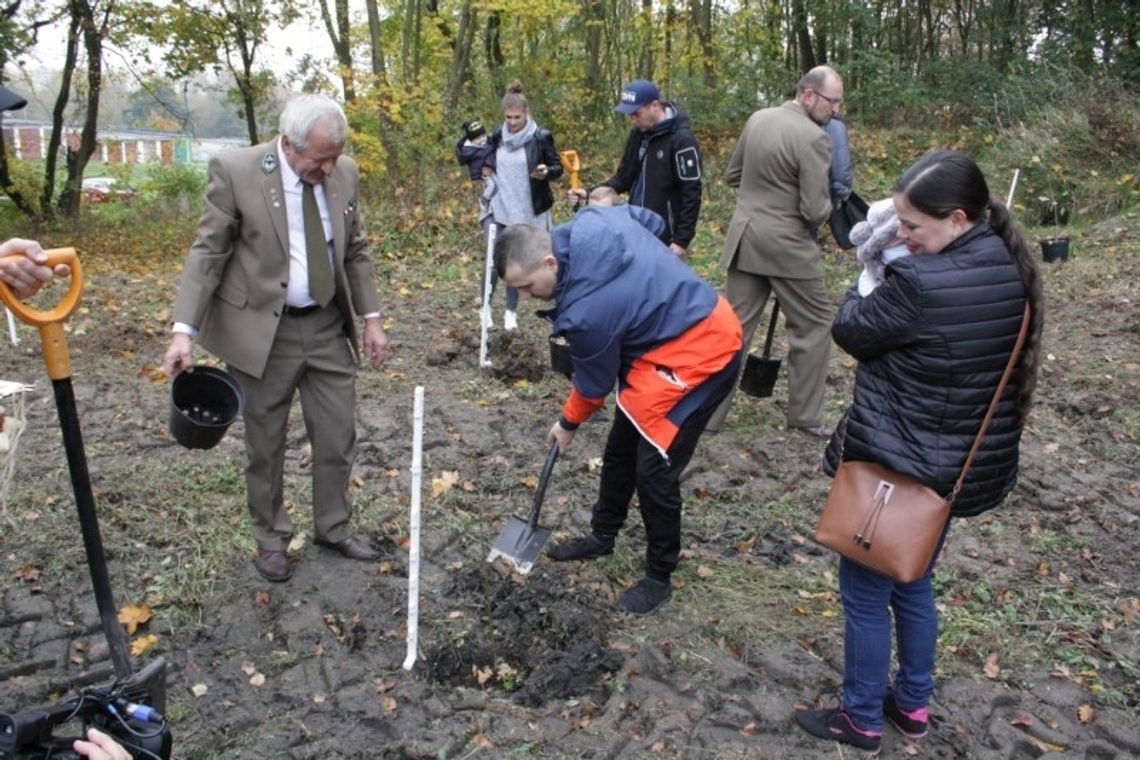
column 560, row 356
column 204, row 401
column 1055, row 249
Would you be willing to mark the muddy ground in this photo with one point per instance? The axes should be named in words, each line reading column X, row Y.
column 1039, row 656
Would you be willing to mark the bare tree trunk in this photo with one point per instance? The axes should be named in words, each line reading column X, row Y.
column 379, row 67
column 645, row 64
column 461, row 55
column 492, row 47
column 71, row 56
column 702, row 14
column 340, row 35
column 803, row 36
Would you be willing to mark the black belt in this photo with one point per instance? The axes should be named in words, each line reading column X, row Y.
column 301, row 311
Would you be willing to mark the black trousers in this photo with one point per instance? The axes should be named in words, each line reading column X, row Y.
column 630, row 464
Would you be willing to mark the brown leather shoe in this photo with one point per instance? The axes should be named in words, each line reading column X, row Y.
column 273, row 565
column 352, row 548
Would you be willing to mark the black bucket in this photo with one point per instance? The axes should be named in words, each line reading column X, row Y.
column 203, row 402
column 1055, row 249
column 560, row 356
column 759, row 376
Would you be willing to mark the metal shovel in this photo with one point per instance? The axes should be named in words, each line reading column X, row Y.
column 521, row 541
column 58, row 361
column 760, row 372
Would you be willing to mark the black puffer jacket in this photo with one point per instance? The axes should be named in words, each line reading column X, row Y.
column 540, row 150
column 661, row 171
column 932, row 342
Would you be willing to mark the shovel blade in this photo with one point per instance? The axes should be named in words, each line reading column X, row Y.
column 759, row 376
column 520, row 544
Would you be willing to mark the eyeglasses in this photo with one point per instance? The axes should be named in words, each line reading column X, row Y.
column 833, row 101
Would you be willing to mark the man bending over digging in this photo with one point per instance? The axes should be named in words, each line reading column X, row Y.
column 637, row 317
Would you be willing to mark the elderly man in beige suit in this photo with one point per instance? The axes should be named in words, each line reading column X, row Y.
column 780, row 166
column 273, row 286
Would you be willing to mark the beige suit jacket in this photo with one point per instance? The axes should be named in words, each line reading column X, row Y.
column 233, row 284
column 780, row 166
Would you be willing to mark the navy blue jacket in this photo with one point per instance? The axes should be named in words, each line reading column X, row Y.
column 637, row 316
column 932, row 342
column 475, row 157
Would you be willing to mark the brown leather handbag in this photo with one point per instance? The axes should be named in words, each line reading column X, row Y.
column 888, row 522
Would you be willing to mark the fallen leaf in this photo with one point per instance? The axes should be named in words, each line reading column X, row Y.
column 134, row 615
column 482, row 742
column 443, row 484
column 750, row 730
column 261, row 598
column 385, row 685
column 658, row 746
column 389, row 704
column 29, row 573
column 257, row 680
column 297, row 542
column 704, row 571
column 530, row 481
column 143, row 643
column 248, row 668
column 199, row 689
column 991, row 668
column 1022, row 720
column 482, row 675
column 1086, row 714
column 319, row 699
column 745, row 547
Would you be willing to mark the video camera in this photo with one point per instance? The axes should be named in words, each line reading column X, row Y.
column 127, row 710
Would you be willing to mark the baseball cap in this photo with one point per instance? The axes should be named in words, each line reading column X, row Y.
column 636, row 94
column 473, row 128
column 10, row 101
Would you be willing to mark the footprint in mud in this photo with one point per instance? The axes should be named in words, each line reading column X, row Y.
column 533, row 640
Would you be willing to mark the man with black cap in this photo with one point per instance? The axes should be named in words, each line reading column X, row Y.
column 661, row 165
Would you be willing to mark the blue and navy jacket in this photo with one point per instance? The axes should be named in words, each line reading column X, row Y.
column 638, row 318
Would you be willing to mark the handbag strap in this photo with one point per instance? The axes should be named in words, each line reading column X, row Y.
column 1013, row 357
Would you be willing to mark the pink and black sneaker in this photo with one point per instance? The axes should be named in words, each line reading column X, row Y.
column 910, row 723
column 835, row 725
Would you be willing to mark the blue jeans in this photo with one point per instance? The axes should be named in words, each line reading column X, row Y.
column 868, row 601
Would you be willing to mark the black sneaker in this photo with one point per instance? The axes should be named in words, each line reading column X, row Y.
column 910, row 723
column 646, row 597
column 586, row 547
column 836, row 725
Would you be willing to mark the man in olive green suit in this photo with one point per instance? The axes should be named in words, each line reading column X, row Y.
column 273, row 285
column 780, row 166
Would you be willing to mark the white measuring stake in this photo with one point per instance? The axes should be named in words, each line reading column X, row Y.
column 414, row 531
column 1012, row 187
column 485, row 312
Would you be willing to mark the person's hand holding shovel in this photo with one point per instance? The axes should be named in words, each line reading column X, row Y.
column 24, row 267
column 561, row 435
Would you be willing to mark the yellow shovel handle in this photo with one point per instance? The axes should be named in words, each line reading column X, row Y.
column 571, row 164
column 51, row 321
